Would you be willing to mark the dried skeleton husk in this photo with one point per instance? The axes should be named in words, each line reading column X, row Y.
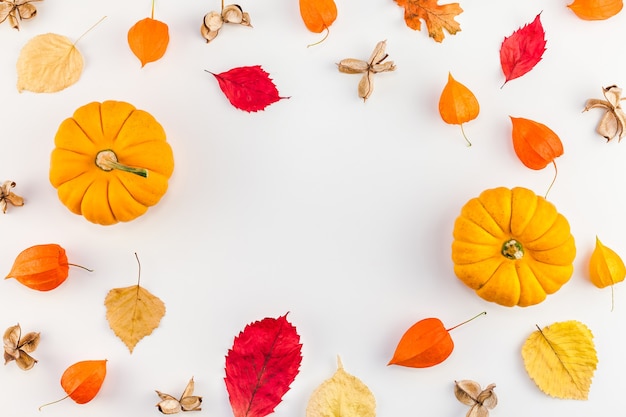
column 16, row 10
column 213, row 21
column 613, row 122
column 480, row 400
column 375, row 65
column 17, row 347
column 7, row 196
column 187, row 401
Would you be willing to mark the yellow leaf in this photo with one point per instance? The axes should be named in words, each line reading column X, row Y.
column 342, row 395
column 133, row 313
column 48, row 63
column 561, row 359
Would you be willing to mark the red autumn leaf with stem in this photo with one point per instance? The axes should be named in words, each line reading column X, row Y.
column 42, row 267
column 520, row 52
column 148, row 39
column 262, row 363
column 248, row 88
column 536, row 145
column 82, row 381
column 425, row 344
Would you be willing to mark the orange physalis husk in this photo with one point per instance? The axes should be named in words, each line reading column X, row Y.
column 606, row 268
column 318, row 15
column 425, row 344
column 596, row 9
column 41, row 267
column 535, row 144
column 458, row 104
column 82, row 381
column 148, row 39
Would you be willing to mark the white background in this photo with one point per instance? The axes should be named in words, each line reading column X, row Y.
column 337, row 211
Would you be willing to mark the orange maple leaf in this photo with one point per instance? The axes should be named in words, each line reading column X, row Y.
column 437, row 17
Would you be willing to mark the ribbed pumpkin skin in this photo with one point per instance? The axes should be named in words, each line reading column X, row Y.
column 498, row 216
column 136, row 138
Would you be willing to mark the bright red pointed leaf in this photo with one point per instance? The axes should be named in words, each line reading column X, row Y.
column 263, row 362
column 520, row 52
column 248, row 88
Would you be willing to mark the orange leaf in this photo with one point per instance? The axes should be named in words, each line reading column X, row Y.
column 82, row 381
column 535, row 144
column 596, row 9
column 437, row 17
column 425, row 344
column 458, row 104
column 148, row 39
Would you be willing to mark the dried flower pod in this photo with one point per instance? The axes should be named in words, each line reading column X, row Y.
column 213, row 21
column 7, row 196
column 16, row 10
column 613, row 123
column 187, row 401
column 481, row 401
column 17, row 348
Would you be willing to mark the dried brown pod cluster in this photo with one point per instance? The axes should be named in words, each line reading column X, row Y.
column 613, row 122
column 187, row 401
column 8, row 197
column 17, row 10
column 18, row 347
column 375, row 65
column 480, row 400
column 213, row 21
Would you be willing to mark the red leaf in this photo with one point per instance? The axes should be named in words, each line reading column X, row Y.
column 248, row 88
column 520, row 52
column 263, row 362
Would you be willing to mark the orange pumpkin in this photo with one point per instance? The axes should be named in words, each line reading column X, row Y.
column 111, row 162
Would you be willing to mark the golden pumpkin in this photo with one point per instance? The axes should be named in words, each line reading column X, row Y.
column 111, row 162
column 512, row 247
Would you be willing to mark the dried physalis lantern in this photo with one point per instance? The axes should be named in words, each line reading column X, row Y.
column 16, row 10
column 187, row 401
column 213, row 21
column 375, row 65
column 17, row 347
column 613, row 121
column 480, row 400
column 7, row 196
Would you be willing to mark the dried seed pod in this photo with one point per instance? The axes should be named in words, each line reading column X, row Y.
column 234, row 14
column 481, row 401
column 352, row 66
column 7, row 196
column 187, row 401
column 18, row 347
column 213, row 21
column 613, row 123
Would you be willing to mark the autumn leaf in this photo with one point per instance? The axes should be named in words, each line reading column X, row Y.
column 262, row 363
column 148, row 39
column 342, row 395
column 318, row 15
column 82, row 381
column 561, row 359
column 606, row 268
column 425, row 344
column 520, row 52
column 133, row 313
column 458, row 105
column 437, row 17
column 535, row 144
column 248, row 88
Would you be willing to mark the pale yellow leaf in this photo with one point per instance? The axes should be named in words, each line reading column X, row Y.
column 342, row 395
column 133, row 313
column 48, row 63
column 561, row 359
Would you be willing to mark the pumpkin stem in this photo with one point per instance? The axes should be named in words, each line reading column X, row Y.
column 106, row 160
column 512, row 249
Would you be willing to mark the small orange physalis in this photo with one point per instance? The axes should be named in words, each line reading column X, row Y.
column 425, row 344
column 458, row 105
column 148, row 39
column 535, row 144
column 318, row 15
column 606, row 267
column 596, row 9
column 41, row 267
column 82, row 381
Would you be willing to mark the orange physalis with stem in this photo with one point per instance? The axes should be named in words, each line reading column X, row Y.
column 41, row 267
column 148, row 39
column 596, row 9
column 606, row 268
column 425, row 344
column 82, row 381
column 458, row 105
column 318, row 15
column 536, row 145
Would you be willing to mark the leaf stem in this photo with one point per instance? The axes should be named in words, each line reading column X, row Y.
column 138, row 270
column 467, row 321
column 321, row 40
column 89, row 30
column 556, row 171
column 80, row 266
column 152, row 13
column 466, row 139
column 53, row 402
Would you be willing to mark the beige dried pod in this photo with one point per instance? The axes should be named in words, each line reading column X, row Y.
column 481, row 401
column 234, row 14
column 187, row 401
column 375, row 65
column 211, row 25
column 7, row 196
column 213, row 21
column 613, row 122
column 18, row 347
column 352, row 66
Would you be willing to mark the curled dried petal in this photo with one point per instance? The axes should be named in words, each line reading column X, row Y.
column 191, row 403
column 169, row 406
column 366, row 85
column 352, row 66
column 7, row 196
column 466, row 391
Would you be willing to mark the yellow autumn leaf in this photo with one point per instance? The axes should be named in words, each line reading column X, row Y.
column 48, row 63
column 561, row 359
column 133, row 313
column 342, row 395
